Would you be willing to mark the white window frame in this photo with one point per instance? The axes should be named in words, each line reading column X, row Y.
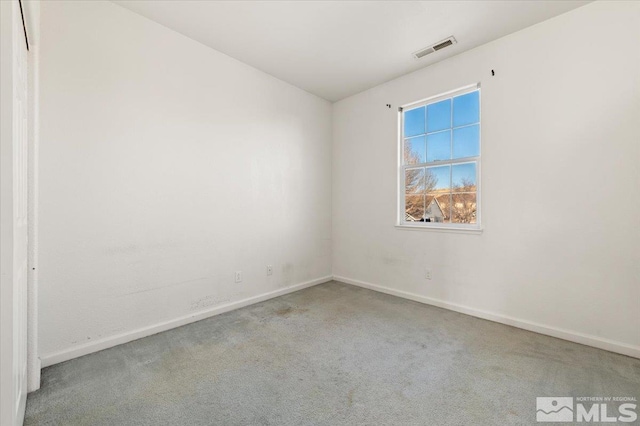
column 457, row 227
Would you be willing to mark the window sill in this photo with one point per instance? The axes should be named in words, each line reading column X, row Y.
column 454, row 230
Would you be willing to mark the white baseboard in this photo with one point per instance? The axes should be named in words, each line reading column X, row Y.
column 108, row 342
column 572, row 336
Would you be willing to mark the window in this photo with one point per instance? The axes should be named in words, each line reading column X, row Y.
column 440, row 161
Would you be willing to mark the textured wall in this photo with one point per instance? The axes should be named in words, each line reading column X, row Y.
column 165, row 167
column 560, row 151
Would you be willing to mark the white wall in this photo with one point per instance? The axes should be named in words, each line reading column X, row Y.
column 165, row 166
column 560, row 251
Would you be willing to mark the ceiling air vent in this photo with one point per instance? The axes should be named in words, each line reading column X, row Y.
column 435, row 47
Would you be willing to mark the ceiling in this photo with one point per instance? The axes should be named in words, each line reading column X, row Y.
column 335, row 49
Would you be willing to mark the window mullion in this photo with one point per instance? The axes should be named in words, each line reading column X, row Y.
column 443, row 162
column 451, row 193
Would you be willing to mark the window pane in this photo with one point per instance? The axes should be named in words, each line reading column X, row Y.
column 464, row 208
column 414, row 150
column 466, row 109
column 438, row 179
column 414, row 122
column 414, row 208
column 464, row 177
column 439, row 116
column 439, row 146
column 466, row 142
column 414, row 181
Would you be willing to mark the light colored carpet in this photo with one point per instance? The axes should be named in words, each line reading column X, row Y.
column 332, row 354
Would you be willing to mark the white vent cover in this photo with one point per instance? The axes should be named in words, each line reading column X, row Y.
column 450, row 41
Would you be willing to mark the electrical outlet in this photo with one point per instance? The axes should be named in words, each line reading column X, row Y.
column 427, row 273
column 238, row 276
column 269, row 270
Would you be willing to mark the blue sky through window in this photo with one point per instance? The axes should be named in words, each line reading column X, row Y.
column 414, row 122
column 439, row 116
column 451, row 127
column 442, row 175
column 466, row 141
column 464, row 173
column 466, row 109
column 417, row 150
column 439, row 146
